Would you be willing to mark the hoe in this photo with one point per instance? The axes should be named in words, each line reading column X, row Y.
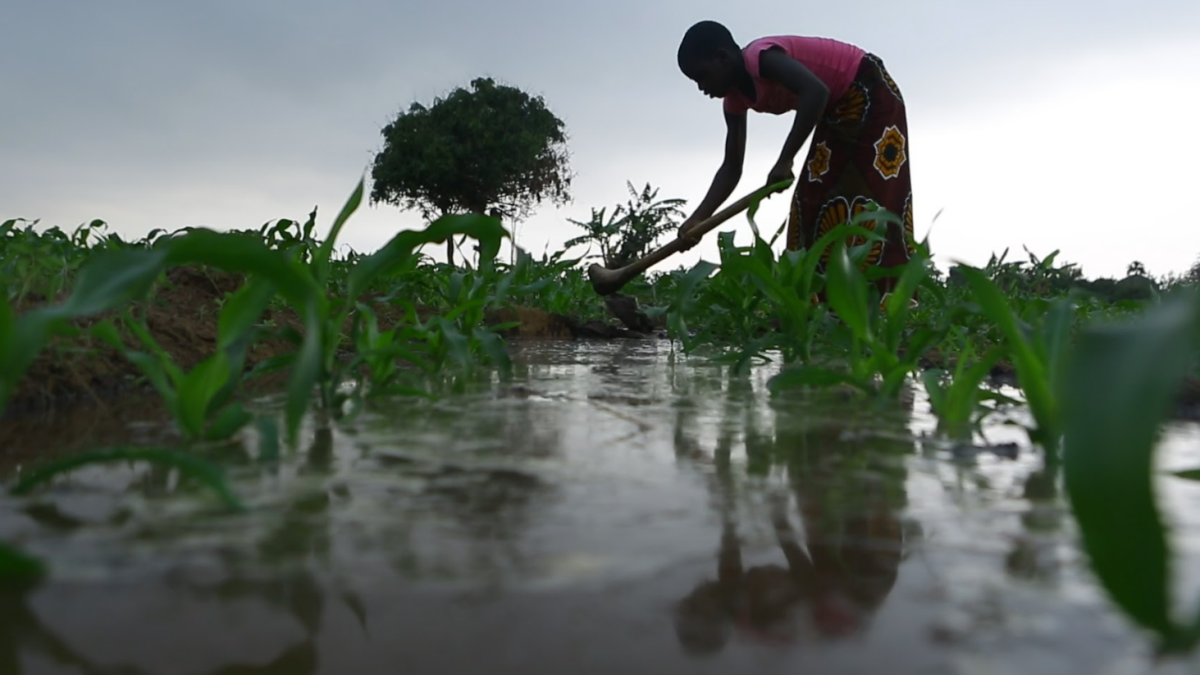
column 606, row 281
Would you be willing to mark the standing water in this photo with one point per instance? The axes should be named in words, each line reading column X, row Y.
column 614, row 508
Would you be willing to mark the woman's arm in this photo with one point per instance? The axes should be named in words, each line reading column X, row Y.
column 813, row 96
column 727, row 176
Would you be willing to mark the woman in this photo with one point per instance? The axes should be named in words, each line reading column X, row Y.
column 842, row 96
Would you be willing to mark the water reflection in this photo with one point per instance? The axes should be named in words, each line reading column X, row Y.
column 94, row 421
column 839, row 568
column 200, row 629
column 23, row 634
column 608, row 511
column 1035, row 550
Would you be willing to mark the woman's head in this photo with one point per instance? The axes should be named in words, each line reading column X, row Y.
column 709, row 56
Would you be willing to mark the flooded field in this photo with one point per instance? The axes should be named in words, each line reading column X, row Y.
column 612, row 509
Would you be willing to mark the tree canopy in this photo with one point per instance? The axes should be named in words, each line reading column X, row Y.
column 490, row 149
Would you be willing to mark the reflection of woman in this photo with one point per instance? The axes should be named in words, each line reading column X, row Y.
column 848, row 493
column 829, row 590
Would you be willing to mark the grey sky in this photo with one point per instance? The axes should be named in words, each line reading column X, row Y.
column 229, row 113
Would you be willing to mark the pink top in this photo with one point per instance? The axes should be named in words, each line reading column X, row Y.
column 835, row 63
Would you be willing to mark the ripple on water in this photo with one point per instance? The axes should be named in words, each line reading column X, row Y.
column 612, row 508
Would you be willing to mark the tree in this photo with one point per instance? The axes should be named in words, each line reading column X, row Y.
column 632, row 228
column 1136, row 269
column 492, row 149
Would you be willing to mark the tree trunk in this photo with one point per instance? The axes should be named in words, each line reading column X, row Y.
column 495, row 213
column 449, row 241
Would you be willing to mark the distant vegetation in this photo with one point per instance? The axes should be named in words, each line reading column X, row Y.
column 491, row 149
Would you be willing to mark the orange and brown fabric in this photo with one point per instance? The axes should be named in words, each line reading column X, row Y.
column 858, row 156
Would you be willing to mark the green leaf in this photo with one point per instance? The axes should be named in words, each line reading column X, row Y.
column 306, row 371
column 808, row 376
column 897, row 303
column 162, row 358
column 456, row 342
column 236, row 330
column 153, row 369
column 932, row 379
column 18, row 567
column 106, row 332
column 493, row 346
column 502, row 288
column 847, row 293
column 242, row 311
column 464, row 309
column 321, row 259
column 150, row 366
column 535, row 286
column 954, row 404
column 812, row 256
column 1056, row 339
column 268, row 439
column 1119, row 389
column 111, row 279
column 12, row 363
column 760, row 275
column 8, row 325
column 1031, row 371
column 108, row 280
column 687, row 285
column 197, row 390
column 488, row 231
column 188, row 465
column 237, row 252
column 454, row 288
column 227, row 423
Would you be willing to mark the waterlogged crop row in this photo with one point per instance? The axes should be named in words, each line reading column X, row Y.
column 1098, row 380
column 202, row 399
column 279, row 268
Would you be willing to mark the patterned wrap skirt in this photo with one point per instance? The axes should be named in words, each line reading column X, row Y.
column 858, row 154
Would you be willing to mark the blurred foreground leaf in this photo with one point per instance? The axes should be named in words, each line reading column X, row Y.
column 1119, row 389
column 191, row 466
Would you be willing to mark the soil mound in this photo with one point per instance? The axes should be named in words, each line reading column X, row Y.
column 182, row 315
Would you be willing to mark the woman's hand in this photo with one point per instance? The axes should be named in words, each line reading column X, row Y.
column 687, row 234
column 780, row 172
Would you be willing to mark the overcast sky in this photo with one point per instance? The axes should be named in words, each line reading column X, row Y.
column 1052, row 125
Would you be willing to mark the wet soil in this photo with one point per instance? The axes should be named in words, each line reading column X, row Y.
column 182, row 314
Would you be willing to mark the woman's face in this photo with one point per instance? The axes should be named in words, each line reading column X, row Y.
column 714, row 77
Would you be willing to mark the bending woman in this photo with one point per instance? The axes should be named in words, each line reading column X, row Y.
column 842, row 96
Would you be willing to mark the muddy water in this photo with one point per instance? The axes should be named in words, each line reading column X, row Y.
column 612, row 510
